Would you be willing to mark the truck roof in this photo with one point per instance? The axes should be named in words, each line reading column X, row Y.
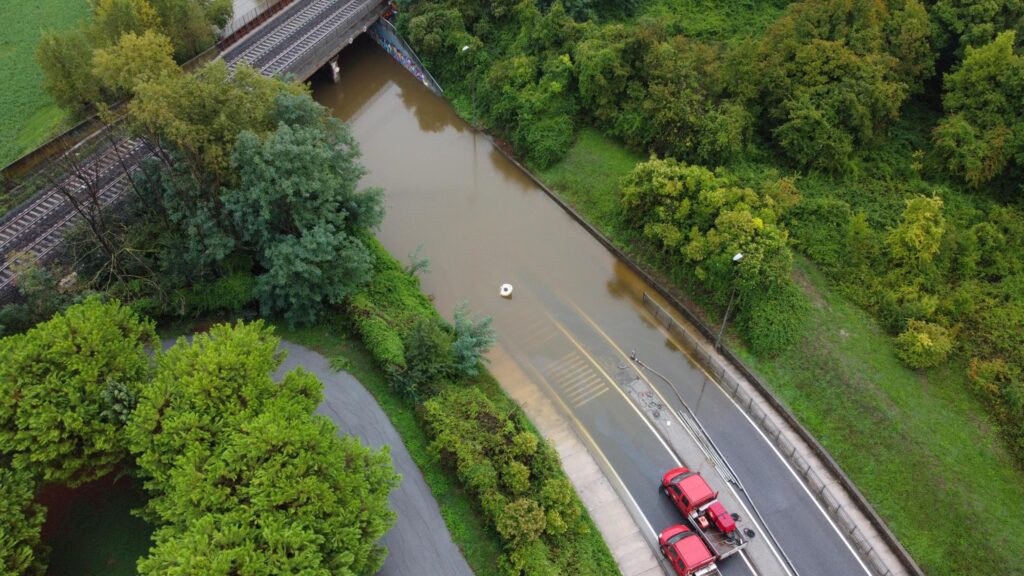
column 691, row 550
column 695, row 488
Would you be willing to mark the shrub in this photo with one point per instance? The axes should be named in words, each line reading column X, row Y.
column 429, row 359
column 547, row 140
column 816, row 224
column 773, row 321
column 21, row 520
column 924, row 344
column 532, row 499
column 472, row 339
column 225, row 294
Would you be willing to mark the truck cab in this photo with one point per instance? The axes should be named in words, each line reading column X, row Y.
column 686, row 552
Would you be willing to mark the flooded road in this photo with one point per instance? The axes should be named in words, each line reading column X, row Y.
column 576, row 312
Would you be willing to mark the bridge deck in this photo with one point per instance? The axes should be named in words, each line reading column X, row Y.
column 298, row 40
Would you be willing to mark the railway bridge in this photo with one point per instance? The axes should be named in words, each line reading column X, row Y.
column 296, row 42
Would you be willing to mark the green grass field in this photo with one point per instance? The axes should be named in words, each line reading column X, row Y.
column 28, row 116
column 921, row 447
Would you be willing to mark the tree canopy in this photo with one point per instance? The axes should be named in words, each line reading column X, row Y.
column 982, row 135
column 63, row 385
column 243, row 477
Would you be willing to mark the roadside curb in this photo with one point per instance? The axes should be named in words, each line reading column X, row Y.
column 807, row 455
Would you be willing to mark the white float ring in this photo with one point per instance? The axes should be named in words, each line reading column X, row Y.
column 506, row 291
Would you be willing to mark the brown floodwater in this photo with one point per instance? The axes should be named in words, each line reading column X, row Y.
column 576, row 311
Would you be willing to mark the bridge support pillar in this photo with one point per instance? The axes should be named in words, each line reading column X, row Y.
column 335, row 69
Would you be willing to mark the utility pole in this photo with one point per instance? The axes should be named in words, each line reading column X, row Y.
column 736, row 260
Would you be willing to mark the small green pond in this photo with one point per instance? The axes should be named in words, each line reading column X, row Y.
column 91, row 529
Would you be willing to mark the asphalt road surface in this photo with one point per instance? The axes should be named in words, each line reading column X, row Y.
column 419, row 543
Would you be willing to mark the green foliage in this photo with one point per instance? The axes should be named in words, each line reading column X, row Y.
column 773, row 322
column 817, row 225
column 133, row 60
column 113, row 18
column 960, row 24
column 386, row 310
column 513, row 474
column 41, row 294
column 836, row 74
column 916, row 240
column 429, row 357
column 982, row 134
column 202, row 114
column 472, row 339
column 66, row 61
column 21, row 520
column 297, row 204
column 230, row 292
column 301, row 499
column 127, row 43
column 924, row 344
column 53, row 384
column 704, row 220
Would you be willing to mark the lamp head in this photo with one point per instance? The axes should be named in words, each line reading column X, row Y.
column 737, row 257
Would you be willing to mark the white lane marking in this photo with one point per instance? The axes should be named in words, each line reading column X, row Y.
column 753, row 518
column 785, row 462
column 617, row 388
column 581, row 429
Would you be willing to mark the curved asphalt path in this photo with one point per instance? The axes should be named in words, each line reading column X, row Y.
column 419, row 543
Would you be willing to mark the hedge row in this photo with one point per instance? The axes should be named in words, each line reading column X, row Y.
column 477, row 431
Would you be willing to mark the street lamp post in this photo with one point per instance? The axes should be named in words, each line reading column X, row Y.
column 736, row 260
column 473, row 108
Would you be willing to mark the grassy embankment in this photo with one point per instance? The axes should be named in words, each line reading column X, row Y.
column 919, row 445
column 28, row 116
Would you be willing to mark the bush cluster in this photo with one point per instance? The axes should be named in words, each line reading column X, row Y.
column 515, row 476
column 416, row 348
column 703, row 220
column 484, row 438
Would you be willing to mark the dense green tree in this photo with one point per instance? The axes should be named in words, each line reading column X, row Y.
column 134, row 60
column 21, row 520
column 836, row 73
column 190, row 23
column 297, row 204
column 960, row 24
column 243, row 477
column 982, row 134
column 201, row 114
column 65, row 59
column 56, row 416
column 515, row 477
column 704, row 220
column 113, row 18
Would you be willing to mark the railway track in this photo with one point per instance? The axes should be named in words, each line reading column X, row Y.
column 38, row 227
